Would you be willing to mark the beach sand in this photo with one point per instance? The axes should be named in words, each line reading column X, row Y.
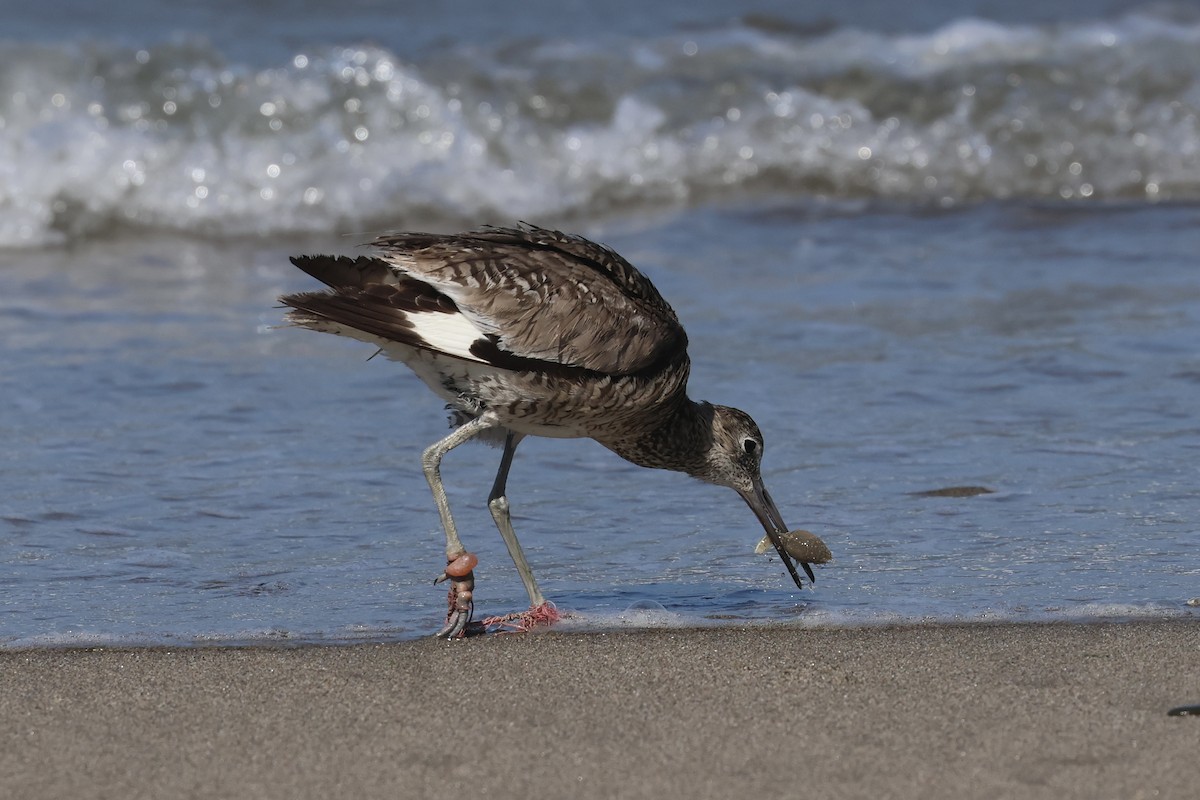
column 978, row 711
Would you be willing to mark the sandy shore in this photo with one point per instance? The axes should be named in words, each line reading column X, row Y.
column 1024, row 711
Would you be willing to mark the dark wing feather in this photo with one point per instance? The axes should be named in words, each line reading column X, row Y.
column 376, row 278
column 339, row 271
column 367, row 296
column 383, row 313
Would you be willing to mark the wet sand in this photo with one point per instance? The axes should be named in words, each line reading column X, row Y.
column 1030, row 711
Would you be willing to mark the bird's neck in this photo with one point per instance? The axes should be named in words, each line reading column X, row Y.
column 680, row 440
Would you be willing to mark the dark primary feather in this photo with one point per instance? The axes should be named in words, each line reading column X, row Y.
column 340, row 271
column 370, row 313
column 373, row 276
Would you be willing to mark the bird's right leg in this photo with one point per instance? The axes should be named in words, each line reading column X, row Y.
column 540, row 612
column 498, row 505
column 462, row 584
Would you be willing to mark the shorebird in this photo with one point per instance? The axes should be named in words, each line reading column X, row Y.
column 532, row 332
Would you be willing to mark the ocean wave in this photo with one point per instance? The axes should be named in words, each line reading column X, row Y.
column 96, row 136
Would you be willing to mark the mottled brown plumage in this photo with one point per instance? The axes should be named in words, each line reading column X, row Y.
column 526, row 331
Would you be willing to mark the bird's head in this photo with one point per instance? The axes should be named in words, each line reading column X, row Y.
column 735, row 460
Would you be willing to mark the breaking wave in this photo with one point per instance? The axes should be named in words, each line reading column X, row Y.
column 96, row 136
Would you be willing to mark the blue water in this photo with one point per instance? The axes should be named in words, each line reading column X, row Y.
column 1001, row 292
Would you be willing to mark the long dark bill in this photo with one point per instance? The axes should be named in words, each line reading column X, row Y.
column 763, row 506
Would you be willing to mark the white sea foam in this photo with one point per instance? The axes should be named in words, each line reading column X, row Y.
column 172, row 137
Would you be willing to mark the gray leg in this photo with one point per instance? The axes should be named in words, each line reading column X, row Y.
column 462, row 587
column 431, row 460
column 498, row 505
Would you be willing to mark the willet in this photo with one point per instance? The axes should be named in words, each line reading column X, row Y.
column 532, row 332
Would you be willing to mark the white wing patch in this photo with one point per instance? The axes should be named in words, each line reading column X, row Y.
column 452, row 334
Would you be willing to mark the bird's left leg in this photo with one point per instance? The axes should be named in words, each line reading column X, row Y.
column 462, row 581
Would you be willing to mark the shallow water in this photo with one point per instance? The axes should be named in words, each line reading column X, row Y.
column 178, row 469
column 934, row 310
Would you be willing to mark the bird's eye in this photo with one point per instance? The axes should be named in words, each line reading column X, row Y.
column 750, row 446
